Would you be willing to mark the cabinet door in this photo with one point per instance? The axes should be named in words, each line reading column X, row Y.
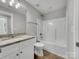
column 13, row 55
column 8, row 50
column 27, row 52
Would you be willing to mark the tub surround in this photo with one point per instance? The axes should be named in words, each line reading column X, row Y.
column 55, row 36
column 8, row 41
column 56, row 48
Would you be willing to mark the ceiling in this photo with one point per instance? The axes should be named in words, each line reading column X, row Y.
column 46, row 6
column 19, row 10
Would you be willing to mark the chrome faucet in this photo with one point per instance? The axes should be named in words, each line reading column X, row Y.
column 11, row 35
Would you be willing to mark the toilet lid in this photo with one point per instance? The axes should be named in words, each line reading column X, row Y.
column 39, row 44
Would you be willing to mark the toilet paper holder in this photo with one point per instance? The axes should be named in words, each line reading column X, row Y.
column 77, row 44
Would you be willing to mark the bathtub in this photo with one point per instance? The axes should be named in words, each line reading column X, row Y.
column 57, row 48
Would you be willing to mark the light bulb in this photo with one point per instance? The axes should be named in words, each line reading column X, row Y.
column 11, row 2
column 4, row 1
column 17, row 5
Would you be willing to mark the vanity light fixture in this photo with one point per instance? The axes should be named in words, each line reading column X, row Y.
column 11, row 2
column 17, row 5
column 3, row 1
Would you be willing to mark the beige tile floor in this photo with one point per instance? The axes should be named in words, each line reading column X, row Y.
column 48, row 55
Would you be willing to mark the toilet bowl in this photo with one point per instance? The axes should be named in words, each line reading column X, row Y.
column 39, row 49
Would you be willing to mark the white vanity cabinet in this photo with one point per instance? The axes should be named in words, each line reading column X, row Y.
column 20, row 50
column 13, row 55
column 27, row 50
column 27, row 53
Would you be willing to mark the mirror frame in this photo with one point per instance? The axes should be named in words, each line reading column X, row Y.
column 11, row 15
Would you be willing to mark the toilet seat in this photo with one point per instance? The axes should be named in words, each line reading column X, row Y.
column 39, row 45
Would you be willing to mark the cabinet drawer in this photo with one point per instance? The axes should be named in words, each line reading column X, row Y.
column 8, row 49
column 27, row 42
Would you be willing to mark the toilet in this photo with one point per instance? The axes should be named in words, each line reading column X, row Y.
column 39, row 48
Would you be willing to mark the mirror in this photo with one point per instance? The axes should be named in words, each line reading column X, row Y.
column 6, row 23
column 12, row 18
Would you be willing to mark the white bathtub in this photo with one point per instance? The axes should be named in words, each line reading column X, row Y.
column 56, row 48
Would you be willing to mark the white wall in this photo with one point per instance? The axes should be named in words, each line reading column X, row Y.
column 77, row 27
column 34, row 17
column 55, row 14
column 39, row 28
column 31, row 11
column 73, row 28
column 70, row 21
column 18, row 20
column 34, row 24
column 19, row 23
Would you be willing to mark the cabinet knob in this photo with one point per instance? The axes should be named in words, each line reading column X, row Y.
column 0, row 50
column 17, row 54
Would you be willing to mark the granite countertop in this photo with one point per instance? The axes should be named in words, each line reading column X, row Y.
column 9, row 41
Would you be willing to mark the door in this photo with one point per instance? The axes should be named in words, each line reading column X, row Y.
column 13, row 55
column 27, row 52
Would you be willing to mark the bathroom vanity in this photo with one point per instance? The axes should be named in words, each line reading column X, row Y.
column 13, row 21
column 21, row 47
